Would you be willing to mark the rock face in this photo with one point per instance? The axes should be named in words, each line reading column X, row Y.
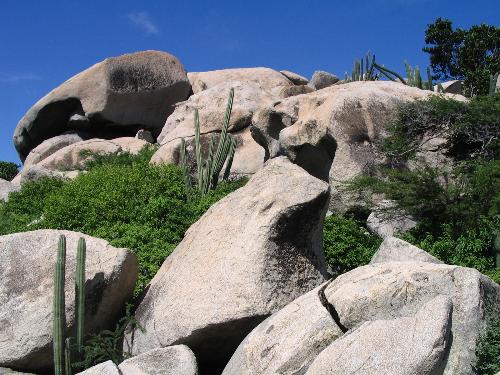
column 401, row 346
column 389, row 226
column 26, row 292
column 399, row 289
column 321, row 79
column 399, row 315
column 7, row 187
column 172, row 360
column 266, row 78
column 295, row 78
column 248, row 256
column 450, row 87
column 120, row 94
column 105, row 368
column 288, row 341
column 353, row 114
column 393, row 249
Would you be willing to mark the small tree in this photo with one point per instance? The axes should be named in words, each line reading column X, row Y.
column 8, row 170
column 471, row 55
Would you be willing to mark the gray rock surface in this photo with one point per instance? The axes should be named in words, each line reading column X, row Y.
column 8, row 371
column 7, row 187
column 399, row 289
column 450, row 87
column 296, row 79
column 51, row 145
column 266, row 78
column 322, row 79
column 127, row 93
column 288, row 341
column 172, row 360
column 105, row 368
column 393, row 249
column 26, row 292
column 402, row 346
column 248, row 256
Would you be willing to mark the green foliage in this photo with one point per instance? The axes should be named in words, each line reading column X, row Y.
column 365, row 70
column 107, row 344
column 493, row 84
column 472, row 55
column 8, row 170
column 488, row 348
column 121, row 198
column 347, row 245
column 26, row 206
column 210, row 169
column 414, row 77
column 470, row 129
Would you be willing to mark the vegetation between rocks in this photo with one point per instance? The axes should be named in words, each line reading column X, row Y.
column 8, row 170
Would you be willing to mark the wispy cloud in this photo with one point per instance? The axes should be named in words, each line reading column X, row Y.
column 14, row 78
column 142, row 21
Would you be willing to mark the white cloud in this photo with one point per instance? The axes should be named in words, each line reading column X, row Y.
column 14, row 78
column 143, row 22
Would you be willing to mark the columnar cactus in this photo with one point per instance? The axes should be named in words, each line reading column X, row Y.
column 62, row 345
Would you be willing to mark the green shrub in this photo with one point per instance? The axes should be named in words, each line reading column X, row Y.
column 488, row 348
column 26, row 206
column 8, row 170
column 347, row 245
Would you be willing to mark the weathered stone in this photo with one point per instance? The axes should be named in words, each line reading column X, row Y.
column 37, row 171
column 399, row 289
column 288, row 341
column 401, row 346
column 249, row 255
column 130, row 144
column 266, row 78
column 172, row 360
column 123, row 93
column 7, row 187
column 105, row 368
column 450, row 87
column 145, row 135
column 385, row 224
column 321, row 79
column 51, row 145
column 26, row 292
column 296, row 79
column 393, row 249
column 248, row 158
column 8, row 371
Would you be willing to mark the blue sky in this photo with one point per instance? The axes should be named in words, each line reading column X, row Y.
column 43, row 43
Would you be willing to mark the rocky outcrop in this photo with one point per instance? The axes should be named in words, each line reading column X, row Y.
column 450, row 87
column 172, row 360
column 119, row 95
column 266, row 78
column 248, row 256
column 288, row 341
column 321, row 79
column 26, row 292
column 7, row 187
column 400, row 289
column 401, row 346
column 353, row 114
column 105, row 368
column 388, row 221
column 393, row 249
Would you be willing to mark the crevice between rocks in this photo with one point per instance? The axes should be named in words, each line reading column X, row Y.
column 329, row 307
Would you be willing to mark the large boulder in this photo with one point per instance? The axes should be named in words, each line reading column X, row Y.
column 288, row 341
column 322, row 79
column 172, row 360
column 396, row 289
column 401, row 346
column 26, row 292
column 266, row 78
column 104, row 368
column 353, row 114
column 296, row 79
column 119, row 95
column 249, row 255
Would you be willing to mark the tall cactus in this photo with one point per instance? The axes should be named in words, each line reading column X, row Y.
column 80, row 294
column 493, row 84
column 59, row 323
column 208, row 170
column 62, row 345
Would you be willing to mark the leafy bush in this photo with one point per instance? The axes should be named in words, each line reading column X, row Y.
column 8, row 170
column 347, row 245
column 121, row 198
column 488, row 348
column 26, row 206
